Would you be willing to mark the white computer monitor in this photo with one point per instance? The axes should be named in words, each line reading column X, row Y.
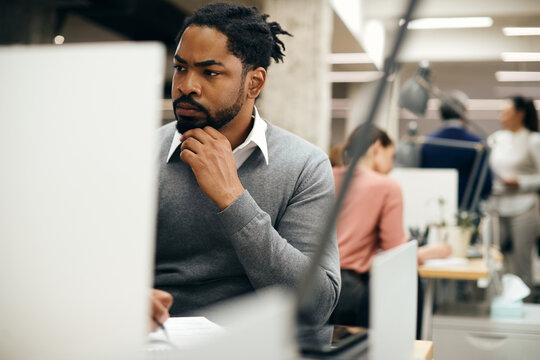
column 78, row 190
column 393, row 300
column 430, row 196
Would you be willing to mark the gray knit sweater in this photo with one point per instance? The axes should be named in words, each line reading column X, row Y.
column 264, row 238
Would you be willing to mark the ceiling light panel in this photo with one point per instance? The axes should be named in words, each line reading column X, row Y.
column 520, row 56
column 349, row 58
column 450, row 23
column 510, row 76
column 521, row 31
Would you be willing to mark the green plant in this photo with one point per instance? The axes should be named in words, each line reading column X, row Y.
column 442, row 203
column 467, row 219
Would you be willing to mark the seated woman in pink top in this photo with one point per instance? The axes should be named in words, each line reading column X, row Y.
column 371, row 220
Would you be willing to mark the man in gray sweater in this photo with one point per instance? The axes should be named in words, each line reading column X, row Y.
column 241, row 202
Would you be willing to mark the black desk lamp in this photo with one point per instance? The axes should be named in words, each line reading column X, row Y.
column 414, row 97
column 305, row 294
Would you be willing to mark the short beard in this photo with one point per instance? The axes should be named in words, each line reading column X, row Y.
column 222, row 117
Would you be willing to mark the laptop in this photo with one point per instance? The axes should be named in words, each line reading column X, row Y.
column 78, row 190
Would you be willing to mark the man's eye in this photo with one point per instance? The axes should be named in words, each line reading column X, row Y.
column 210, row 73
column 179, row 68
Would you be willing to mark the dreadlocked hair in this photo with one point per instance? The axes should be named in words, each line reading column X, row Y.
column 250, row 37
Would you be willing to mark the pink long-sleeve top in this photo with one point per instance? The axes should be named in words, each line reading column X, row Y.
column 371, row 218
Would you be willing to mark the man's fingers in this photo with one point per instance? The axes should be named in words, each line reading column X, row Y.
column 213, row 132
column 189, row 157
column 167, row 300
column 160, row 313
column 201, row 135
column 161, row 302
column 163, row 297
column 192, row 144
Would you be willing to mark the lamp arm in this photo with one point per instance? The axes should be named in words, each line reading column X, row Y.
column 470, row 183
column 481, row 179
column 462, row 144
column 441, row 95
column 305, row 298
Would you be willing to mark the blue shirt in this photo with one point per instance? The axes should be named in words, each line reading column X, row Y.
column 446, row 157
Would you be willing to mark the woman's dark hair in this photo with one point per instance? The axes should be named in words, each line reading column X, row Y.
column 374, row 134
column 530, row 116
column 250, row 37
column 336, row 155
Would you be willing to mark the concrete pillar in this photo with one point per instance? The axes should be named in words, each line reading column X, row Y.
column 297, row 95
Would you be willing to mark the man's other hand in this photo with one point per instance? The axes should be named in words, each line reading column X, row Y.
column 433, row 251
column 161, row 302
column 210, row 156
column 511, row 184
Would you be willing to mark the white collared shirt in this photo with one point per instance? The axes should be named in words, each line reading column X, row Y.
column 454, row 123
column 256, row 137
column 515, row 155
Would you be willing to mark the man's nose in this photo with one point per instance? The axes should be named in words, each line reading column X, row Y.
column 189, row 85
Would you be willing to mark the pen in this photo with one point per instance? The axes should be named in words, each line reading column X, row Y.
column 162, row 327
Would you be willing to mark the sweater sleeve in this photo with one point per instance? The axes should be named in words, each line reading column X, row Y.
column 391, row 233
column 281, row 255
column 531, row 182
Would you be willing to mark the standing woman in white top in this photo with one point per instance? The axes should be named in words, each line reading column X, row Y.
column 515, row 161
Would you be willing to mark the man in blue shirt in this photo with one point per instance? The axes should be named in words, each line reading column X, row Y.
column 450, row 157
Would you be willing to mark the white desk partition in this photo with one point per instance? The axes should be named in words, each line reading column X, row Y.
column 392, row 297
column 78, row 190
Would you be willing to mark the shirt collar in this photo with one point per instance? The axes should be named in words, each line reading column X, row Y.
column 454, row 123
column 175, row 143
column 256, row 136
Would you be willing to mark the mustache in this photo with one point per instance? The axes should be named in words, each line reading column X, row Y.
column 189, row 100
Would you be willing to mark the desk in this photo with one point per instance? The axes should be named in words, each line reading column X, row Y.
column 423, row 350
column 474, row 270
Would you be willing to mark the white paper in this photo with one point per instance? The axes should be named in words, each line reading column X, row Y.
column 437, row 263
column 254, row 326
column 513, row 288
column 184, row 332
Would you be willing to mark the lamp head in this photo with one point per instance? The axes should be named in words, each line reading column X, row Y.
column 415, row 94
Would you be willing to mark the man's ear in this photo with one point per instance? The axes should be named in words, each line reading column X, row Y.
column 256, row 79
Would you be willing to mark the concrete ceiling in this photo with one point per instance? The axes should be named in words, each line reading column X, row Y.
column 483, row 44
column 466, row 58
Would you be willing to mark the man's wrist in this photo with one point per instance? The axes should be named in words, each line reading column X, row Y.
column 229, row 198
